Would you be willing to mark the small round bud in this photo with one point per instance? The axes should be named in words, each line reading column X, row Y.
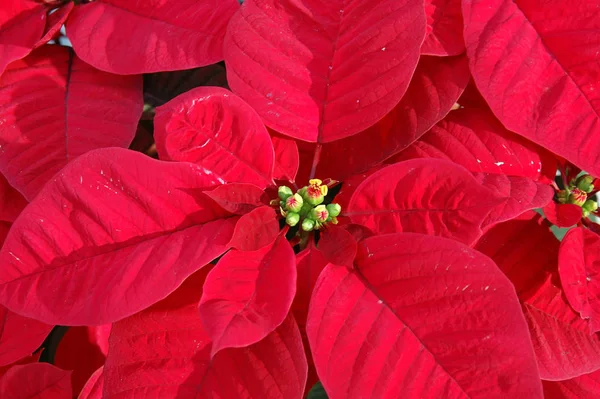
column 563, row 196
column 334, row 209
column 292, row 219
column 589, row 206
column 284, row 192
column 577, row 197
column 585, row 183
column 308, row 225
column 294, row 203
column 319, row 214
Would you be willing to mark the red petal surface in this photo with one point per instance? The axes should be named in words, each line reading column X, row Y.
column 127, row 37
column 473, row 137
column 586, row 386
column 238, row 198
column 11, row 201
column 79, row 352
column 56, row 107
column 444, row 27
column 309, row 264
column 54, row 23
column 113, row 233
column 216, row 129
column 248, row 294
column 519, row 194
column 447, row 323
column 434, row 89
column 286, row 159
column 563, row 215
column 94, row 386
column 165, row 352
column 338, row 246
column 255, row 230
column 36, row 381
column 527, row 252
column 323, row 70
column 579, row 269
column 19, row 336
column 22, row 24
column 535, row 62
column 422, row 196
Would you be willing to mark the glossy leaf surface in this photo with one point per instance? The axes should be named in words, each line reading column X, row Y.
column 423, row 196
column 216, row 129
column 74, row 109
column 431, row 327
column 323, row 70
column 535, row 63
column 255, row 229
column 144, row 37
column 113, row 221
column 265, row 284
column 165, row 352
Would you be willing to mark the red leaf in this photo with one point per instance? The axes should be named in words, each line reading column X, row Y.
column 444, row 28
column 563, row 215
column 579, row 269
column 19, row 336
column 586, row 386
column 433, row 327
column 238, row 198
column 323, row 70
column 79, row 352
column 265, row 285
column 114, row 232
column 123, row 37
column 287, row 159
column 55, row 22
column 526, row 251
column 22, row 24
column 423, row 196
column 309, row 264
column 214, row 128
column 338, row 246
column 519, row 194
column 473, row 137
column 56, row 108
column 36, row 381
column 165, row 352
column 536, row 67
column 434, row 89
column 255, row 230
column 11, row 201
column 94, row 386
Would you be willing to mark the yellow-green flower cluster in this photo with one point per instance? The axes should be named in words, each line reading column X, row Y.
column 306, row 206
column 577, row 194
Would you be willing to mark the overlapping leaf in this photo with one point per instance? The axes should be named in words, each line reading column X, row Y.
column 535, row 63
column 428, row 316
column 563, row 215
column 585, row 386
column 527, row 252
column 19, row 336
column 214, row 128
column 429, row 196
column 165, row 352
column 287, row 159
column 444, row 28
column 434, row 89
column 248, row 294
column 94, row 386
column 56, row 107
column 127, row 37
column 36, row 380
column 255, row 229
column 323, row 70
column 579, row 268
column 113, row 233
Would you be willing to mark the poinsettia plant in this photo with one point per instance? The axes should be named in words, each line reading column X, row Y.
column 282, row 199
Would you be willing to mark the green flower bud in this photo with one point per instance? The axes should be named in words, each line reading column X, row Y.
column 577, row 197
column 319, row 214
column 585, row 183
column 292, row 219
column 308, row 225
column 316, row 192
column 334, row 209
column 294, row 203
column 588, row 207
column 284, row 192
column 306, row 208
column 563, row 196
